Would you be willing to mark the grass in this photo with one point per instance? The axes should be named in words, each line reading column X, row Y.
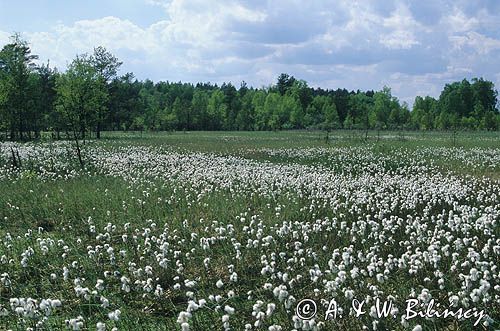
column 64, row 211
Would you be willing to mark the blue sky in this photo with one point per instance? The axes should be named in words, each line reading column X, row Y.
column 415, row 47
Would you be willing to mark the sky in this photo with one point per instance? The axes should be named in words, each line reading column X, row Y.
column 414, row 47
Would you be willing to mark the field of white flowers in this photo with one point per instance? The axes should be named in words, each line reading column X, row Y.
column 164, row 236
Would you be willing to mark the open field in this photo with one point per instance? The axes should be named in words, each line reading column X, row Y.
column 231, row 230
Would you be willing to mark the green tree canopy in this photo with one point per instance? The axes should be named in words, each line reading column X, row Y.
column 81, row 95
column 16, row 87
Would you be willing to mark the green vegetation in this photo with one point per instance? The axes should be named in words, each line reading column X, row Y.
column 90, row 97
column 217, row 230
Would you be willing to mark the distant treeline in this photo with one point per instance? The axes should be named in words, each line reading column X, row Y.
column 90, row 97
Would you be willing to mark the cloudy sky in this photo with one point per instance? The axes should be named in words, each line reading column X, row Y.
column 415, row 47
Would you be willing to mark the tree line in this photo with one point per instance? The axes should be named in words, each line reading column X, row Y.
column 90, row 97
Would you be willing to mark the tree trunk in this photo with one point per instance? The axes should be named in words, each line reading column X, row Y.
column 78, row 151
column 98, row 131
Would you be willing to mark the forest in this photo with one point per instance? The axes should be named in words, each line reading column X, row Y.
column 91, row 97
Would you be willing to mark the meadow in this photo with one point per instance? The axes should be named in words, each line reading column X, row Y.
column 231, row 230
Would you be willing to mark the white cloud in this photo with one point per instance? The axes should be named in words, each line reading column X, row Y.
column 63, row 42
column 402, row 29
column 178, row 44
column 459, row 22
column 361, row 20
column 481, row 44
column 366, row 27
column 399, row 39
column 201, row 23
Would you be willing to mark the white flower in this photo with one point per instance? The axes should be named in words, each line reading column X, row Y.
column 99, row 285
column 75, row 323
column 104, row 302
column 454, row 300
column 114, row 315
column 184, row 316
column 192, row 306
column 270, row 309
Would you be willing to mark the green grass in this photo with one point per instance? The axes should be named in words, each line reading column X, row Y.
column 63, row 208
